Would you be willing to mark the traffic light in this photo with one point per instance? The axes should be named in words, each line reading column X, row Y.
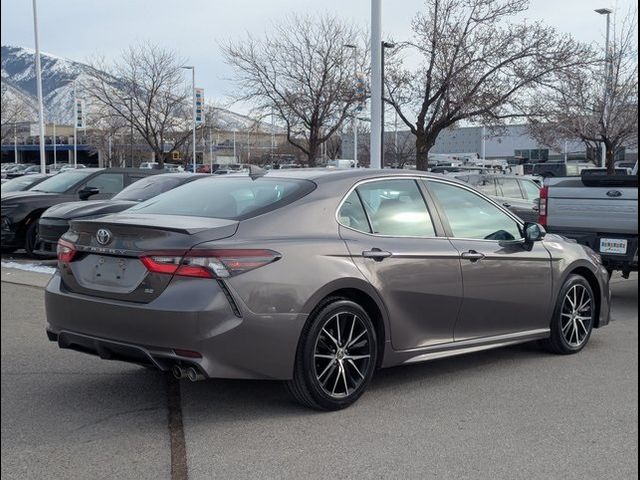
column 175, row 155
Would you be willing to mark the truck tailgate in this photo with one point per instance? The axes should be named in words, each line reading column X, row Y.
column 593, row 209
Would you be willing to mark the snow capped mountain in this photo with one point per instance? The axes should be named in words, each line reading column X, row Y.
column 58, row 77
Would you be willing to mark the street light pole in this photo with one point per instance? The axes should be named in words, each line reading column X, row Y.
column 55, row 145
column 15, row 143
column 355, row 111
column 193, row 98
column 385, row 45
column 75, row 125
column 607, row 69
column 43, row 159
column 376, row 83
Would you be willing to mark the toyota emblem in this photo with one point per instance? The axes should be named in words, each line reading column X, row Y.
column 103, row 236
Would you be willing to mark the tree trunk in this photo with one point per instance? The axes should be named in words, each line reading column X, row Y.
column 610, row 158
column 424, row 143
column 314, row 146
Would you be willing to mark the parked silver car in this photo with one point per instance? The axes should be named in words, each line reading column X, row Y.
column 519, row 194
column 318, row 278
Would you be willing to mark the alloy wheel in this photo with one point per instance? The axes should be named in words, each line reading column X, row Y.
column 342, row 355
column 577, row 315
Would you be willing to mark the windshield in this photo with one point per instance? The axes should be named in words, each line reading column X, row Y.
column 20, row 183
column 148, row 188
column 61, row 182
column 231, row 198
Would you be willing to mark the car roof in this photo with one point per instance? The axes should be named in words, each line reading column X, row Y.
column 323, row 175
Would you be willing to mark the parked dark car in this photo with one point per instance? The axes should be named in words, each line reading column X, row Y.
column 54, row 222
column 19, row 169
column 519, row 194
column 21, row 210
column 21, row 184
column 318, row 278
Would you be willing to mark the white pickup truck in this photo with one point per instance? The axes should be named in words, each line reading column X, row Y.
column 597, row 210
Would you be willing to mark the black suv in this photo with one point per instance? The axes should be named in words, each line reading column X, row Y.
column 21, row 210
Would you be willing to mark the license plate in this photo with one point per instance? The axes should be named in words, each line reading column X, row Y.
column 108, row 269
column 615, row 246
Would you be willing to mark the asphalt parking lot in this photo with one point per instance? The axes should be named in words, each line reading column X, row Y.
column 512, row 413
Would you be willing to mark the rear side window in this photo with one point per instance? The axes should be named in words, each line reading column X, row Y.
column 396, row 208
column 235, row 198
column 486, row 185
column 352, row 214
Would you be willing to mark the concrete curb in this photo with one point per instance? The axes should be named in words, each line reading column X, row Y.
column 22, row 277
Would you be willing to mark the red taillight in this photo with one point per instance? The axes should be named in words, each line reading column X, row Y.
column 543, row 206
column 66, row 251
column 210, row 263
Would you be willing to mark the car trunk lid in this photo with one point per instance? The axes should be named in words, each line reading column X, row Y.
column 109, row 250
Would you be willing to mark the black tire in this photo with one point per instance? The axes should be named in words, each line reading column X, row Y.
column 31, row 238
column 570, row 331
column 357, row 338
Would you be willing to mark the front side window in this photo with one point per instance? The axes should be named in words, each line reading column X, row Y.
column 108, row 183
column 532, row 190
column 510, row 188
column 396, row 208
column 473, row 217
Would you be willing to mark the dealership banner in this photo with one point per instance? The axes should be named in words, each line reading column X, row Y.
column 200, row 106
column 79, row 113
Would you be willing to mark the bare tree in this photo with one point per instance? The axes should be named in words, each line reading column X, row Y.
column 475, row 66
column 303, row 72
column 146, row 88
column 577, row 108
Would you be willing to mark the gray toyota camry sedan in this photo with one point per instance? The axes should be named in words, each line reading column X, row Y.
column 318, row 278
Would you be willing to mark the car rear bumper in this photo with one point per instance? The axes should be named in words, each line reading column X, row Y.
column 49, row 232
column 193, row 315
column 624, row 262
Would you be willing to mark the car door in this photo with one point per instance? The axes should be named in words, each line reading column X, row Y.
column 511, row 196
column 392, row 237
column 108, row 183
column 531, row 192
column 507, row 289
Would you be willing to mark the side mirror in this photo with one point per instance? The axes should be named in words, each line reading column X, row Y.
column 533, row 232
column 87, row 192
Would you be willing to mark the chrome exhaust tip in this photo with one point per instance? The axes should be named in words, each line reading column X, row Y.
column 194, row 375
column 178, row 372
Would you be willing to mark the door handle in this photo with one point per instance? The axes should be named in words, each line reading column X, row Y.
column 376, row 254
column 507, row 205
column 473, row 256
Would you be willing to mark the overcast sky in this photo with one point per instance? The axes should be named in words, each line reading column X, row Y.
column 79, row 29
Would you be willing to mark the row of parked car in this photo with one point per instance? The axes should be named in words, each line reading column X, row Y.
column 36, row 209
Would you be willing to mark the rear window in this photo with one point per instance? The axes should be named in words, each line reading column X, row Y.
column 236, row 198
column 148, row 188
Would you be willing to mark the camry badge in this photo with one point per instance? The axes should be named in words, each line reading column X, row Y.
column 103, row 236
column 614, row 193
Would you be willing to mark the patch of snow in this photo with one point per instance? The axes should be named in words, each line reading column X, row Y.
column 29, row 267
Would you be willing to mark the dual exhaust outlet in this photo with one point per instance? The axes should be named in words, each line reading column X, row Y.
column 189, row 372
